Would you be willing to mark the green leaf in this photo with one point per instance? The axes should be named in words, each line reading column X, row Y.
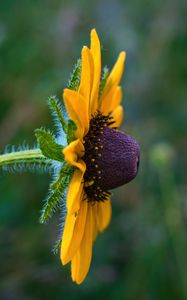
column 103, row 80
column 48, row 145
column 71, row 131
column 58, row 111
column 74, row 81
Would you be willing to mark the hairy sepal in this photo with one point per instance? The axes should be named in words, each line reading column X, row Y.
column 74, row 81
column 57, row 190
column 48, row 145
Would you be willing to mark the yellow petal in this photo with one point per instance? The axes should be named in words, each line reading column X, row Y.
column 81, row 261
column 74, row 192
column 75, row 265
column 86, row 74
column 67, row 235
column 72, row 154
column 73, row 233
column 117, row 98
column 117, row 71
column 96, row 54
column 77, row 107
column 104, row 213
column 115, row 95
column 118, row 114
column 95, row 227
column 112, row 81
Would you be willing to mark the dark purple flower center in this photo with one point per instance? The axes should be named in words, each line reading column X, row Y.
column 111, row 157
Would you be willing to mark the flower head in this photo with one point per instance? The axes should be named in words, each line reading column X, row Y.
column 103, row 157
column 87, row 156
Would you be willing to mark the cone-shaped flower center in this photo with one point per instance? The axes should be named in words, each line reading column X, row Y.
column 111, row 157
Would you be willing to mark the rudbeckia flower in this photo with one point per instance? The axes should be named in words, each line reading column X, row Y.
column 86, row 154
column 102, row 156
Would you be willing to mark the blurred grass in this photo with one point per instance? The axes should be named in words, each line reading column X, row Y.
column 142, row 255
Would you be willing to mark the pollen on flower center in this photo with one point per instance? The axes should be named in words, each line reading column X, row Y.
column 93, row 151
column 111, row 157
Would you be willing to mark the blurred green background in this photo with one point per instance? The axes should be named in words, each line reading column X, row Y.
column 143, row 253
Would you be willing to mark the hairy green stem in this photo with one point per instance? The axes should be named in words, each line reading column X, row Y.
column 26, row 156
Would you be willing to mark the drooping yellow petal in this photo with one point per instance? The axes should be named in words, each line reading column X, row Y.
column 73, row 233
column 75, row 265
column 77, row 107
column 95, row 227
column 118, row 115
column 73, row 152
column 74, row 192
column 81, row 261
column 96, row 54
column 67, row 235
column 104, row 212
column 112, row 81
column 86, row 74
